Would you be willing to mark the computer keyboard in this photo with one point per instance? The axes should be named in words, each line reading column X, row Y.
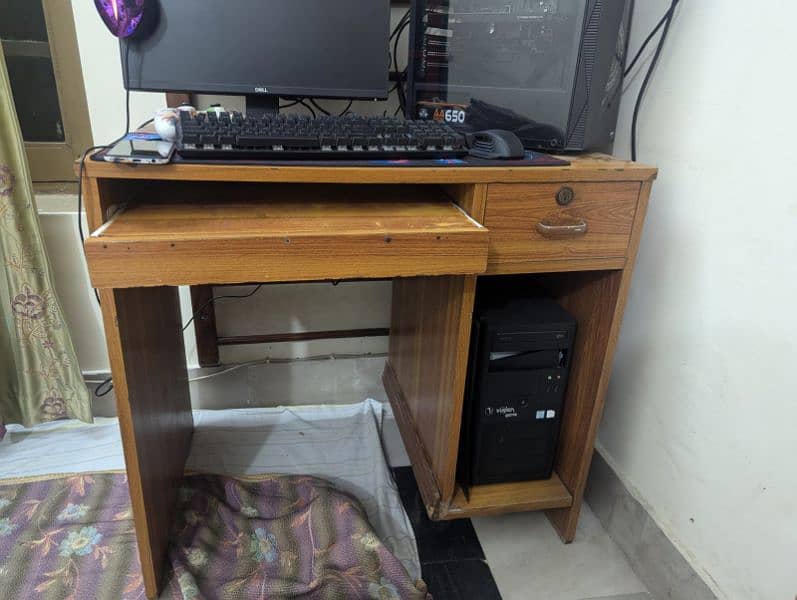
column 291, row 136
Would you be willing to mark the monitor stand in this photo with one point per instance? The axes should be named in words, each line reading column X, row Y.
column 262, row 104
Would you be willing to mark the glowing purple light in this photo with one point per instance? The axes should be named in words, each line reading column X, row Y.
column 121, row 16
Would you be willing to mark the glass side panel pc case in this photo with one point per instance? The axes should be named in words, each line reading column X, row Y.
column 549, row 70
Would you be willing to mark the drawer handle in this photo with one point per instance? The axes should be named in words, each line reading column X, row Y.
column 562, row 230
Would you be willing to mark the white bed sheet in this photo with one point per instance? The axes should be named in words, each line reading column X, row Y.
column 340, row 443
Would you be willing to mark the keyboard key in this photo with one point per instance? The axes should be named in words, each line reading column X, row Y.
column 284, row 141
column 301, row 135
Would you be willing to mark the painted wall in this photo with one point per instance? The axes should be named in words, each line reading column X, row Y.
column 703, row 400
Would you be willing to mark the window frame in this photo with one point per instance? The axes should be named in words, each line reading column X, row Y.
column 54, row 161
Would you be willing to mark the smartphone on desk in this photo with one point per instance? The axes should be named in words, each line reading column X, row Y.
column 141, row 152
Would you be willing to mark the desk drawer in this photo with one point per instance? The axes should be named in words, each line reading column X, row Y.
column 540, row 223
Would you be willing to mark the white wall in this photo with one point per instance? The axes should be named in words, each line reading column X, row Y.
column 102, row 75
column 703, row 400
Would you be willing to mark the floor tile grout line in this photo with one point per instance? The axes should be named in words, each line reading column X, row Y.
column 460, row 560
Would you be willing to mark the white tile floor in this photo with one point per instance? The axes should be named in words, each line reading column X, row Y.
column 529, row 561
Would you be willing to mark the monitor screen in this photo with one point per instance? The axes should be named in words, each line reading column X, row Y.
column 318, row 48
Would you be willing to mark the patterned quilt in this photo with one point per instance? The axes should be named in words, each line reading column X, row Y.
column 266, row 537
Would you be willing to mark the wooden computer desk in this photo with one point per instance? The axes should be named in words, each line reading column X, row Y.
column 433, row 230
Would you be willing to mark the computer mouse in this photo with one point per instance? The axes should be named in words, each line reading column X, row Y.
column 122, row 17
column 494, row 144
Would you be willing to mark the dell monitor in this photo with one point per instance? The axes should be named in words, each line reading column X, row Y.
column 263, row 49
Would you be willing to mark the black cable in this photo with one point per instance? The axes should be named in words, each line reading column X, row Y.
column 648, row 75
column 644, row 45
column 303, row 102
column 106, row 387
column 127, row 87
column 214, row 299
column 320, row 108
column 347, row 109
column 404, row 17
column 401, row 74
column 80, row 205
column 308, row 107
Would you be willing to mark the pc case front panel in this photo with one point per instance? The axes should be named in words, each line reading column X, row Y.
column 517, row 381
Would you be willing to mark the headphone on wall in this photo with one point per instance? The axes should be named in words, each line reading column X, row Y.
column 123, row 18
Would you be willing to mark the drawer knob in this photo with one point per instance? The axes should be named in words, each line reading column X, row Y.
column 565, row 196
column 560, row 230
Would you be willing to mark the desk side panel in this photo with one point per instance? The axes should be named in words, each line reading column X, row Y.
column 143, row 330
column 429, row 340
column 598, row 303
column 145, row 349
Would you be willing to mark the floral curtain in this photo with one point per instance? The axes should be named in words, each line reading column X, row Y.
column 39, row 376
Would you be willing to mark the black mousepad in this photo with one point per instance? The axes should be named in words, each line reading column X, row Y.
column 532, row 159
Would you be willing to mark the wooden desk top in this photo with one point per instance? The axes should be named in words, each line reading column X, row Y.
column 586, row 167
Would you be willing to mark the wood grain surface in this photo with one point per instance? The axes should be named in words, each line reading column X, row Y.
column 599, row 302
column 294, row 238
column 416, row 450
column 588, row 167
column 145, row 347
column 429, row 342
column 590, row 298
column 472, row 198
column 500, row 498
column 515, row 214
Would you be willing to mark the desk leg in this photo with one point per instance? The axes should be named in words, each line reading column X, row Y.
column 425, row 376
column 145, row 345
column 597, row 301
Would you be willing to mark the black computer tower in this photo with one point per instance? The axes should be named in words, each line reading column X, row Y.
column 549, row 70
column 520, row 358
